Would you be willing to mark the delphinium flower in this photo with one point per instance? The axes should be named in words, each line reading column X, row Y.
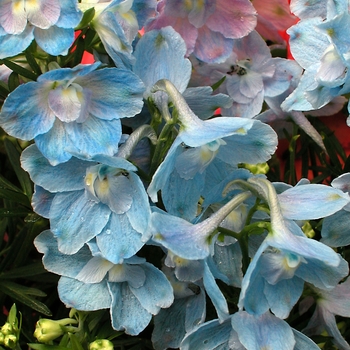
column 326, row 63
column 328, row 305
column 274, row 18
column 133, row 289
column 117, row 24
column 251, row 74
column 245, row 331
column 101, row 198
column 51, row 23
column 335, row 228
column 160, row 54
column 209, row 27
column 198, row 146
column 73, row 110
column 287, row 258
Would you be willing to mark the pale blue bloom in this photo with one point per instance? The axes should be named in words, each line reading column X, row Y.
column 100, row 198
column 133, row 290
column 73, row 110
column 245, row 331
column 117, row 24
column 51, row 23
column 286, row 258
column 197, row 146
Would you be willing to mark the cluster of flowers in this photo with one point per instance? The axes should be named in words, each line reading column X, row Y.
column 148, row 202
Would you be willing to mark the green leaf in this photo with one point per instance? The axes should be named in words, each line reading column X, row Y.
column 14, row 157
column 13, row 81
column 19, row 69
column 4, row 91
column 14, row 197
column 87, row 18
column 23, row 295
column 75, row 342
column 218, row 83
column 12, row 317
column 46, row 347
column 32, row 62
column 4, row 212
column 24, row 271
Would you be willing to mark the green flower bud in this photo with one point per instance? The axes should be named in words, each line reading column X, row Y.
column 47, row 330
column 2, row 337
column 10, row 341
column 7, row 329
column 101, row 344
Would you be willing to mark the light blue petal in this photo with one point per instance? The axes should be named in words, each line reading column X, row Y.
column 153, row 299
column 133, row 274
column 41, row 201
column 256, row 146
column 215, row 294
column 306, row 43
column 283, row 295
column 55, row 143
column 67, row 176
column 180, row 196
column 160, row 55
column 321, row 275
column 139, row 214
column 203, row 103
column 113, row 38
column 181, row 237
column 126, row 312
column 25, row 113
column 70, row 14
column 116, row 93
column 118, row 240
column 12, row 45
column 208, row 336
column 169, row 325
column 313, row 201
column 302, row 342
column 83, row 296
column 335, row 229
column 264, row 331
column 75, row 220
column 306, row 9
column 57, row 262
column 54, row 40
column 86, row 141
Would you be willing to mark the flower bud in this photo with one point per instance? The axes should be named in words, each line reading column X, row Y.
column 101, row 344
column 10, row 341
column 7, row 329
column 47, row 330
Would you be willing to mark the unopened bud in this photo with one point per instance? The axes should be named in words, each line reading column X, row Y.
column 47, row 330
column 101, row 344
column 10, row 341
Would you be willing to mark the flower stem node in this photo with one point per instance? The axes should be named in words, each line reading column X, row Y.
column 101, row 344
column 47, row 330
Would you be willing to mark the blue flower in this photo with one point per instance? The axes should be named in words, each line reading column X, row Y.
column 91, row 282
column 101, row 198
column 73, row 110
column 287, row 258
column 51, row 23
column 200, row 145
column 245, row 331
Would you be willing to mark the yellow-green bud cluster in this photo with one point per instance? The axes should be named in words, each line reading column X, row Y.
column 9, row 335
column 101, row 344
